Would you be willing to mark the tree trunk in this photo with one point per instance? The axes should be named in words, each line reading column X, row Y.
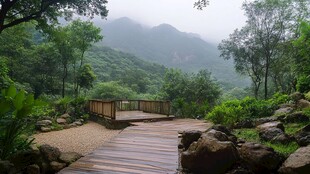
column 64, row 80
column 266, row 79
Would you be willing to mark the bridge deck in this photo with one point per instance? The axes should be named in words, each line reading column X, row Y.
column 147, row 148
column 139, row 116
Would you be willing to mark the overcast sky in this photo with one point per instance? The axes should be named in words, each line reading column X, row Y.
column 214, row 23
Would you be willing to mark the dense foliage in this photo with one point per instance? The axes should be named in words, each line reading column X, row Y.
column 233, row 111
column 16, row 107
column 192, row 95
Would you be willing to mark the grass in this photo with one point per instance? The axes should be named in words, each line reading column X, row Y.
column 247, row 134
column 283, row 149
column 292, row 128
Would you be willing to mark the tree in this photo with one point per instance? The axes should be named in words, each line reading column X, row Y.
column 14, row 12
column 246, row 54
column 83, row 35
column 270, row 23
column 86, row 77
column 303, row 58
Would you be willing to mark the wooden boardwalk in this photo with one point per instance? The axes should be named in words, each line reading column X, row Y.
column 131, row 116
column 147, row 148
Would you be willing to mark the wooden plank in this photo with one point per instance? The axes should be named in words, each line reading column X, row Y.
column 147, row 148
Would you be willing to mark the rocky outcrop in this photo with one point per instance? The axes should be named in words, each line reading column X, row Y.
column 211, row 153
column 302, row 104
column 274, row 135
column 303, row 136
column 69, row 157
column 260, row 121
column 43, row 125
column 244, row 124
column 259, row 158
column 296, row 117
column 188, row 137
column 61, row 121
column 33, row 169
column 6, row 167
column 49, row 153
column 285, row 110
column 65, row 116
column 297, row 162
column 297, row 96
column 268, row 125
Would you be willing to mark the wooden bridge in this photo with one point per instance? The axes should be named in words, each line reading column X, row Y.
column 147, row 148
column 130, row 110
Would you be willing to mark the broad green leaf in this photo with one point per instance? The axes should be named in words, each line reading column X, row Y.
column 11, row 92
column 4, row 107
column 18, row 100
column 29, row 100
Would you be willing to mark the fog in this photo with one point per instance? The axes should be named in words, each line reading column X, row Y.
column 214, row 23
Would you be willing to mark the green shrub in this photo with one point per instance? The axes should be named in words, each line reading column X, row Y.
column 228, row 113
column 62, row 104
column 303, row 83
column 15, row 108
column 307, row 96
column 183, row 109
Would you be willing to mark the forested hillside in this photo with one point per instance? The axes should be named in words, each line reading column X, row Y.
column 113, row 65
column 166, row 45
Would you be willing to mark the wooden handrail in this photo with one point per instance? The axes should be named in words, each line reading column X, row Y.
column 108, row 108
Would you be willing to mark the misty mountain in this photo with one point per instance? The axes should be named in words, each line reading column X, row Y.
column 166, row 45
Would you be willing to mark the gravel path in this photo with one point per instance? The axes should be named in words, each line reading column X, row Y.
column 83, row 139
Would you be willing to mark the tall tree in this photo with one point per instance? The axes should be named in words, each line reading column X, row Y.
column 14, row 12
column 270, row 23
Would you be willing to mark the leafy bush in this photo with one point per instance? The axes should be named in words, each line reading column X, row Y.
column 112, row 90
column 303, row 83
column 15, row 108
column 62, row 104
column 233, row 111
column 228, row 113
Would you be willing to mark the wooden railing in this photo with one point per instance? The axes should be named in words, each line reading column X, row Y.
column 109, row 108
column 103, row 108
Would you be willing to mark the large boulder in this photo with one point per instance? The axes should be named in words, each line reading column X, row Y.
column 69, row 157
column 298, row 162
column 274, row 135
column 188, row 137
column 296, row 117
column 49, row 153
column 297, row 96
column 259, row 158
column 285, row 110
column 303, row 136
column 23, row 159
column 222, row 128
column 43, row 123
column 61, row 121
column 302, row 103
column 263, row 120
column 268, row 125
column 6, row 167
column 244, row 124
column 209, row 155
column 57, row 166
column 33, row 169
column 65, row 116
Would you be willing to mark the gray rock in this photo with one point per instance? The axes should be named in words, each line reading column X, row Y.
column 22, row 159
column 260, row 121
column 274, row 135
column 285, row 110
column 69, row 157
column 303, row 136
column 302, row 104
column 222, row 128
column 56, row 166
column 244, row 124
column 259, row 158
column 296, row 117
column 61, row 121
column 268, row 125
column 218, row 135
column 208, row 155
column 188, row 137
column 33, row 169
column 298, row 162
column 78, row 123
column 6, row 167
column 297, row 96
column 43, row 123
column 45, row 129
column 65, row 116
column 49, row 153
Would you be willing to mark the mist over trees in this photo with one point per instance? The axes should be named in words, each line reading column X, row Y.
column 263, row 49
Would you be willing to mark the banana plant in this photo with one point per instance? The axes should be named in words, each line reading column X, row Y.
column 15, row 107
